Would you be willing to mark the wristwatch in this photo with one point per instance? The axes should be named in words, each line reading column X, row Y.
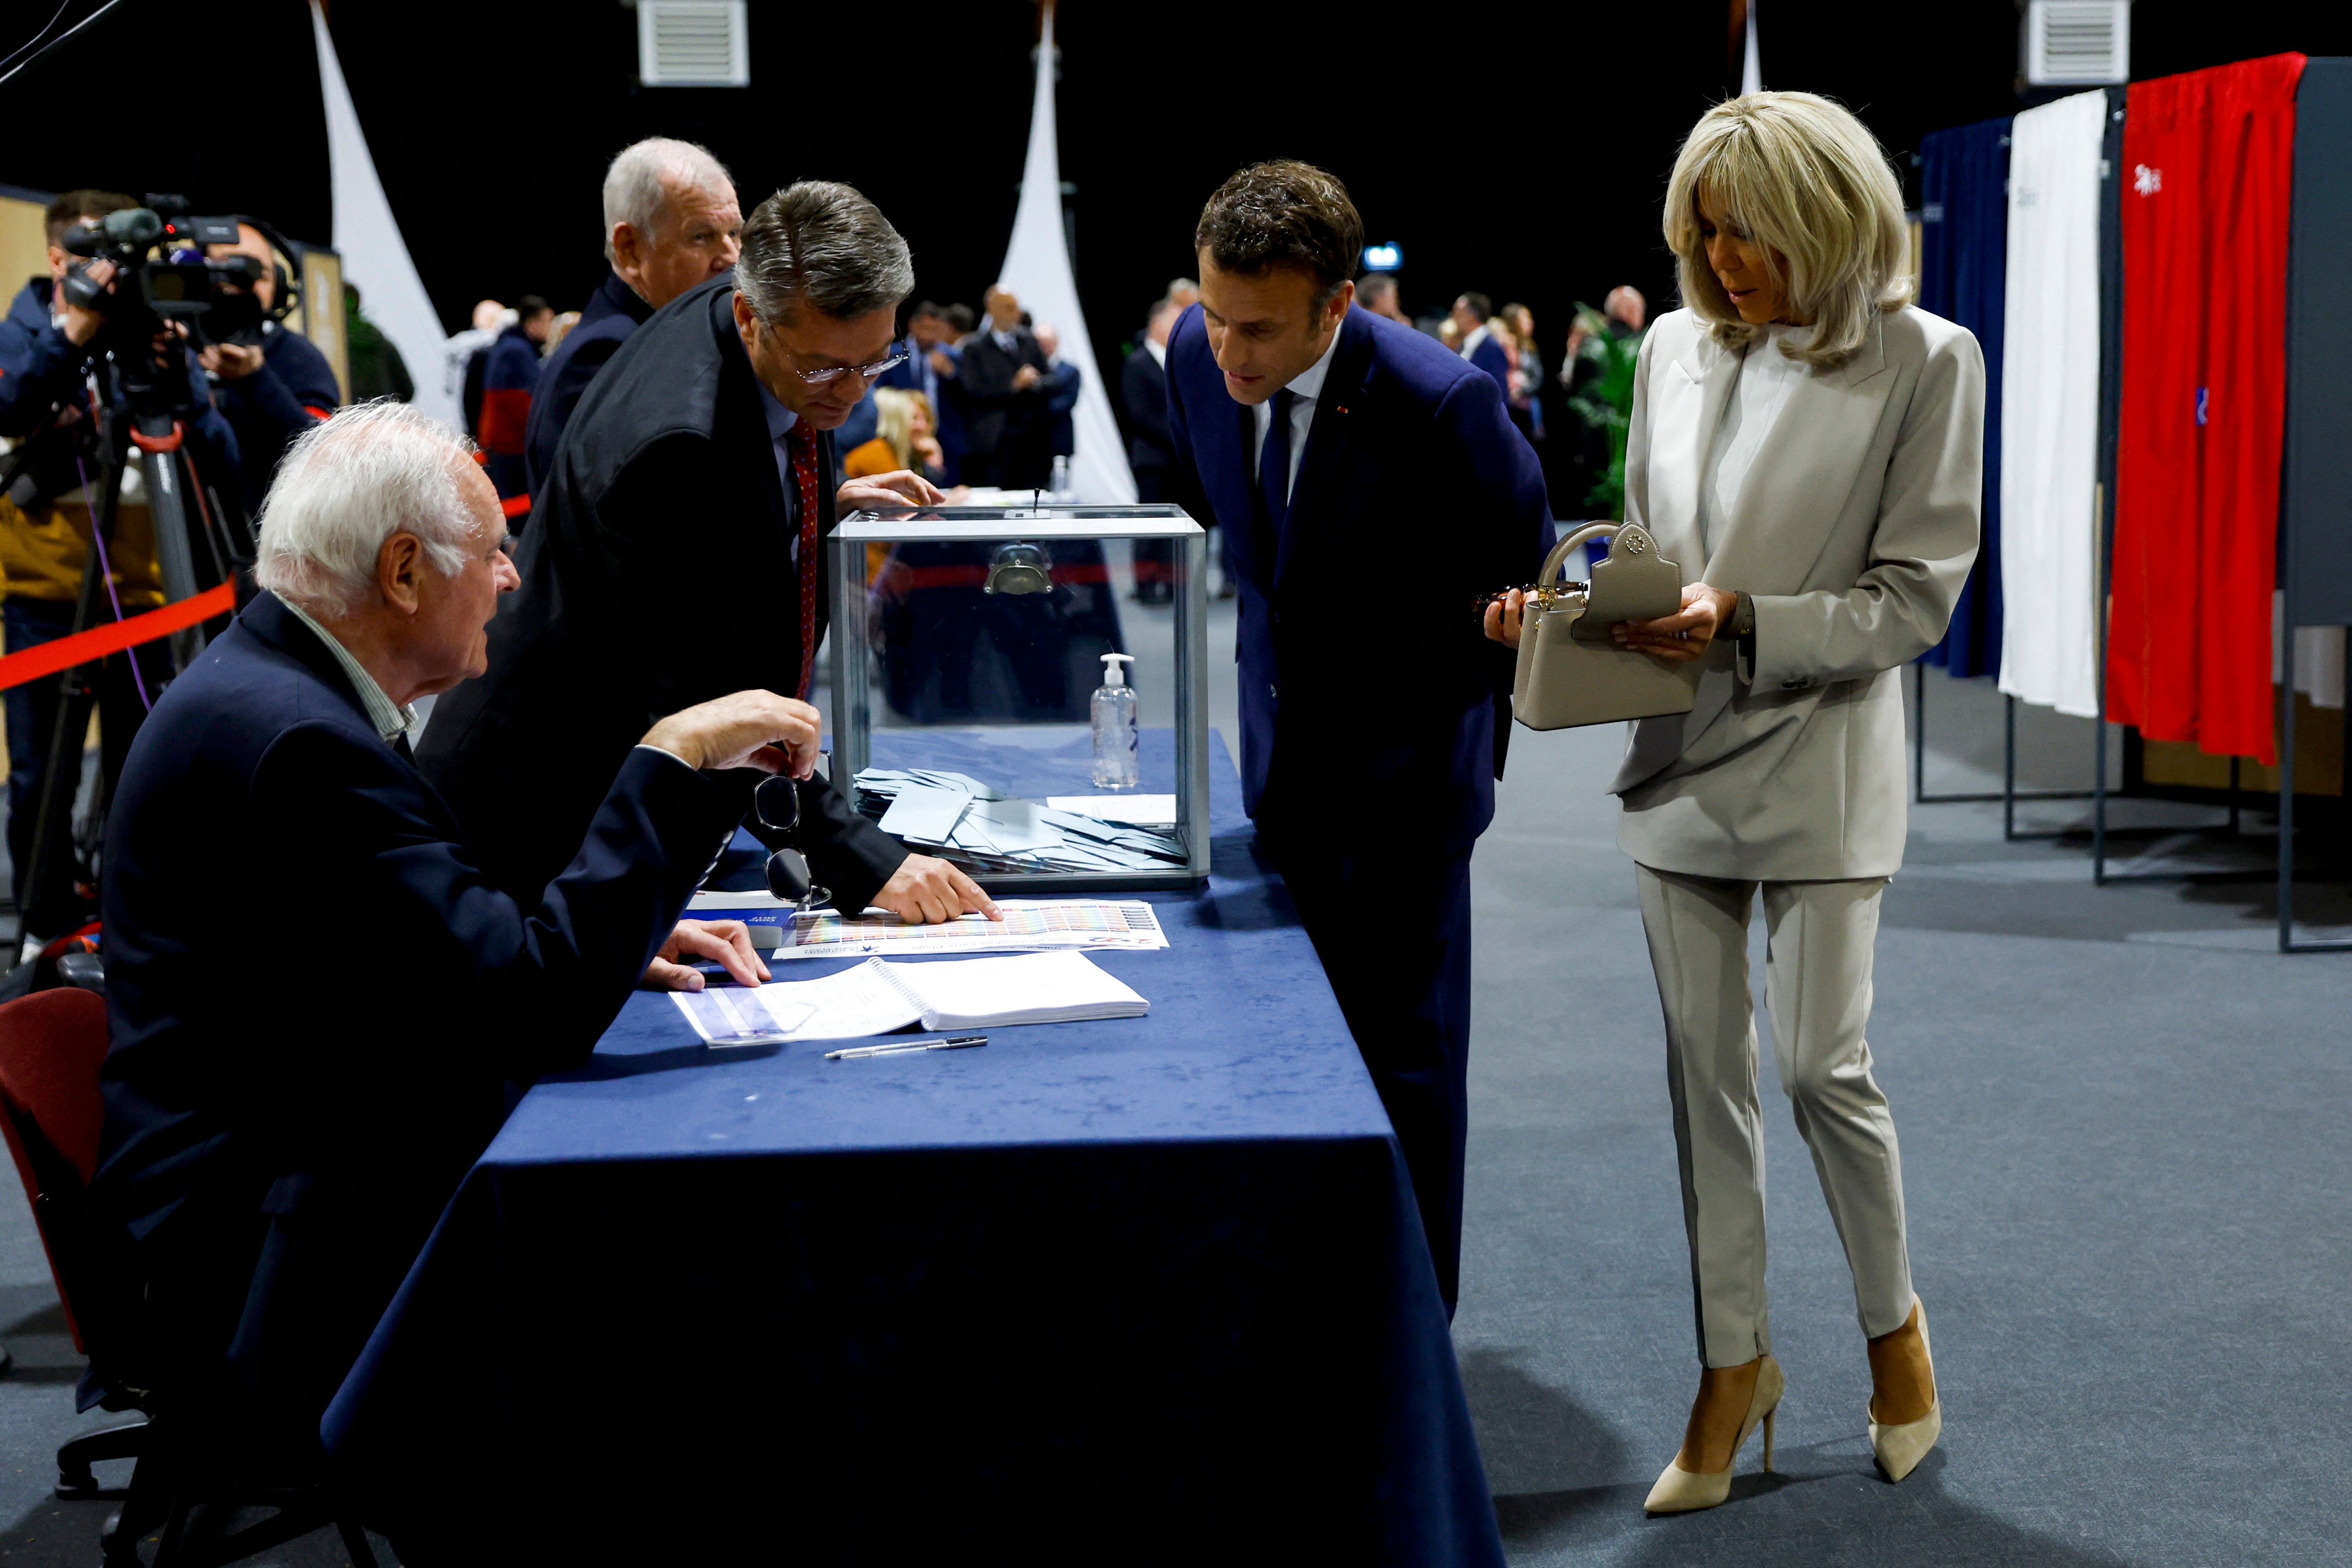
column 1743, row 617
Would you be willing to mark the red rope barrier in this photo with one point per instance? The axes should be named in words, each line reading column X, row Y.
column 115, row 636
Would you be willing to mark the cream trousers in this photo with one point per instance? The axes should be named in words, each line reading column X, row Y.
column 1820, row 936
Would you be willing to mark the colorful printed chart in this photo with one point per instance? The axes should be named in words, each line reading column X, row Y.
column 1027, row 925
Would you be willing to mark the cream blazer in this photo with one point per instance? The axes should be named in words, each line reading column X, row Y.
column 1855, row 529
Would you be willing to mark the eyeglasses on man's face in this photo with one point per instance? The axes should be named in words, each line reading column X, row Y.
column 824, row 375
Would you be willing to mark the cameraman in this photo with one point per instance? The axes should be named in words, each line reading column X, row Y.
column 273, row 390
column 46, row 344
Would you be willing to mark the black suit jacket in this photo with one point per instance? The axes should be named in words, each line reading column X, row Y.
column 1144, row 387
column 612, row 313
column 338, row 1088
column 1008, row 434
column 657, row 573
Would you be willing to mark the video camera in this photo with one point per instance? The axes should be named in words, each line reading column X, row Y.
column 161, row 274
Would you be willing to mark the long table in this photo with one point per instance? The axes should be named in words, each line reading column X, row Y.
column 1144, row 1289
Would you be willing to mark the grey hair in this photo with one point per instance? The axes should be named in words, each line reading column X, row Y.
column 823, row 243
column 348, row 484
column 637, row 184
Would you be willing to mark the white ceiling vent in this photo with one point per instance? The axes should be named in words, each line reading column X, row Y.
column 693, row 43
column 2076, row 43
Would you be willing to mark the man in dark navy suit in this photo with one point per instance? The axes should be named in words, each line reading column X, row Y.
column 283, row 1128
column 930, row 369
column 670, row 223
column 1004, row 380
column 510, row 380
column 1371, row 486
column 1143, row 390
column 1474, row 316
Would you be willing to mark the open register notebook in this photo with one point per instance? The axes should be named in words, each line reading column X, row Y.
column 878, row 996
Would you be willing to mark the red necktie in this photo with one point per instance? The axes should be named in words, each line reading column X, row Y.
column 801, row 440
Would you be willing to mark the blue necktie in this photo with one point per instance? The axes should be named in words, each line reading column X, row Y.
column 1274, row 487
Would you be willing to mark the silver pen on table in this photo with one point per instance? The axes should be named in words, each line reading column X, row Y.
column 953, row 1043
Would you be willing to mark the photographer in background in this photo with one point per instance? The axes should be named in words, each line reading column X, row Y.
column 46, row 344
column 273, row 390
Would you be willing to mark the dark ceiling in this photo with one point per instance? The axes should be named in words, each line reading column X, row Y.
column 1516, row 148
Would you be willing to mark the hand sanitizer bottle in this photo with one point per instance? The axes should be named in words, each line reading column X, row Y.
column 1114, row 716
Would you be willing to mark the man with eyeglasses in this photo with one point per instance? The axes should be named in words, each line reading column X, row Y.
column 677, row 553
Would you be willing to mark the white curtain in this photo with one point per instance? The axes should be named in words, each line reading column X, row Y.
column 375, row 259
column 1038, row 270
column 2050, row 406
column 2318, row 658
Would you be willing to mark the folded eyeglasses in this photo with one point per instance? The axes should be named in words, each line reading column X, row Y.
column 776, row 807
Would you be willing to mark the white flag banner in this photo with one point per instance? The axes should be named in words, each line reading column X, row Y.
column 375, row 259
column 1038, row 270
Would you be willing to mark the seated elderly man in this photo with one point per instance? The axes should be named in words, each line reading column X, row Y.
column 285, row 1117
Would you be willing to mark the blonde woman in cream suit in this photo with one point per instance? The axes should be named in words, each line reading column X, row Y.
column 1810, row 447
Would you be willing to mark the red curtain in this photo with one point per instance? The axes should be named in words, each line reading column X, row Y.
column 2208, row 160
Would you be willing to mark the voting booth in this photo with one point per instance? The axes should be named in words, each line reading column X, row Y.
column 985, row 637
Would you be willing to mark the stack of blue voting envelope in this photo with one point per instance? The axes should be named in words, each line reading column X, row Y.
column 982, row 828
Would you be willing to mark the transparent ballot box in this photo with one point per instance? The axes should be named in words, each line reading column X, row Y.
column 976, row 716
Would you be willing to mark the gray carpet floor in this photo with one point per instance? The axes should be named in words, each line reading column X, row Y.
column 2124, row 1127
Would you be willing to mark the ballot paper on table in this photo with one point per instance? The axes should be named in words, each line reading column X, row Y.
column 878, row 996
column 990, row 831
column 926, row 814
column 1138, row 810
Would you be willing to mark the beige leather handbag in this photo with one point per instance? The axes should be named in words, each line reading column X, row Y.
column 1569, row 672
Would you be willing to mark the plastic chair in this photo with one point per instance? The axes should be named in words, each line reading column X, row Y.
column 52, row 1044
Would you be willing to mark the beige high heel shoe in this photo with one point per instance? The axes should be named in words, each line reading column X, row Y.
column 1900, row 1448
column 1681, row 1491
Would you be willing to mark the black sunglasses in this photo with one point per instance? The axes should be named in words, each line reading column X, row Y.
column 776, row 807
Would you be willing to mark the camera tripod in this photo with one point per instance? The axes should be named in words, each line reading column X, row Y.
column 142, row 414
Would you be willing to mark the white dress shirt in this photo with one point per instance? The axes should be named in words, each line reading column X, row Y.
column 1478, row 334
column 1305, row 388
column 1766, row 376
column 1158, row 350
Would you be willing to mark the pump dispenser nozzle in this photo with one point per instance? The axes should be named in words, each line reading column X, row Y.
column 1114, row 667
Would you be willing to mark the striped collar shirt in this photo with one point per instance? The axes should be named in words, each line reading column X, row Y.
column 392, row 721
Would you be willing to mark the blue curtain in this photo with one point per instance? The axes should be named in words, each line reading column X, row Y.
column 1963, row 266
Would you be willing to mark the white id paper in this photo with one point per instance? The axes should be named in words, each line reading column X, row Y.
column 1006, row 827
column 925, row 813
column 849, row 1005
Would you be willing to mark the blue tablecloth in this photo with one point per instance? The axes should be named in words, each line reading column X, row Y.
column 1146, row 1290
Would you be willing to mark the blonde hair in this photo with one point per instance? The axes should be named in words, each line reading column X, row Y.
column 894, row 423
column 1812, row 185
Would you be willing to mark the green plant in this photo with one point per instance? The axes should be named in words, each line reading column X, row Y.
column 1606, row 401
